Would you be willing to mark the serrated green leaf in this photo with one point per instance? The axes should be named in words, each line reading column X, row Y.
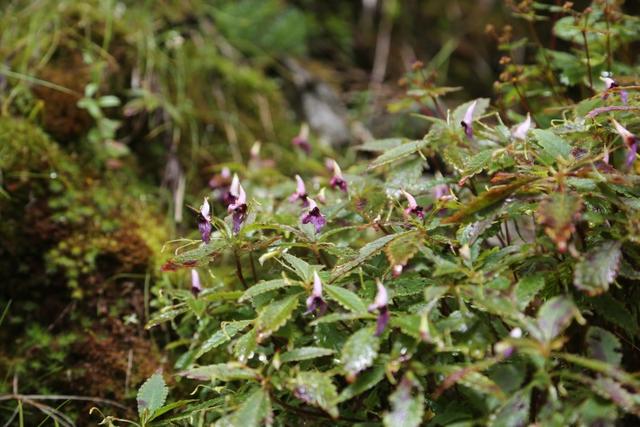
column 151, row 395
column 305, row 353
column 202, row 255
column 346, row 298
column 553, row 146
column 598, row 269
column 402, row 249
column 366, row 252
column 267, row 286
column 603, row 345
column 409, row 284
column 454, row 156
column 475, row 380
column 164, row 316
column 407, row 408
column 364, row 382
column 255, row 409
column 527, row 288
column 227, row 331
column 359, row 351
column 380, row 144
column 554, row 317
column 478, row 162
column 399, row 152
column 302, row 268
column 614, row 311
column 275, row 315
column 487, row 199
column 340, row 317
column 408, row 324
column 221, row 371
column 316, row 388
column 244, row 346
column 220, row 296
column 406, row 175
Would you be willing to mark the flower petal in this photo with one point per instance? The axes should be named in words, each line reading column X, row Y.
column 317, row 285
column 412, row 201
column 196, row 286
column 522, row 129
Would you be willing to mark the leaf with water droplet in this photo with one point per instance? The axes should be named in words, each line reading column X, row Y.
column 305, row 353
column 227, row 331
column 359, row 351
column 317, row 389
column 407, row 406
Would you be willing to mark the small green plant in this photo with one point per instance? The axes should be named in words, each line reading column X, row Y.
column 105, row 128
column 151, row 399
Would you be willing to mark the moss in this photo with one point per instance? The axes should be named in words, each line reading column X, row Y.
column 76, row 244
column 25, row 147
column 61, row 116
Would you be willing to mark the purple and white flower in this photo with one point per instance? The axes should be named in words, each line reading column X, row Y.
column 204, row 221
column 609, row 84
column 397, row 269
column 442, row 192
column 630, row 140
column 337, row 181
column 196, row 286
column 314, row 216
column 315, row 302
column 413, row 208
column 467, row 121
column 221, row 181
column 380, row 303
column 520, row 132
column 302, row 139
column 301, row 193
column 232, row 193
column 238, row 206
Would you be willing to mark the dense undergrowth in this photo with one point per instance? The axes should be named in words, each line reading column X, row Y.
column 481, row 273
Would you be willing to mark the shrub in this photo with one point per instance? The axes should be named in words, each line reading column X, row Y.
column 483, row 274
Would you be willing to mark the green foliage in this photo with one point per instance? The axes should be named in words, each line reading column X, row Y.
column 503, row 296
column 151, row 396
column 475, row 274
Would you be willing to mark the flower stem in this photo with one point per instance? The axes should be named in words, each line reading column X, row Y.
column 239, row 269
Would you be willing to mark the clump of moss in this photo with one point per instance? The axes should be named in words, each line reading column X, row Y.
column 85, row 244
column 61, row 116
